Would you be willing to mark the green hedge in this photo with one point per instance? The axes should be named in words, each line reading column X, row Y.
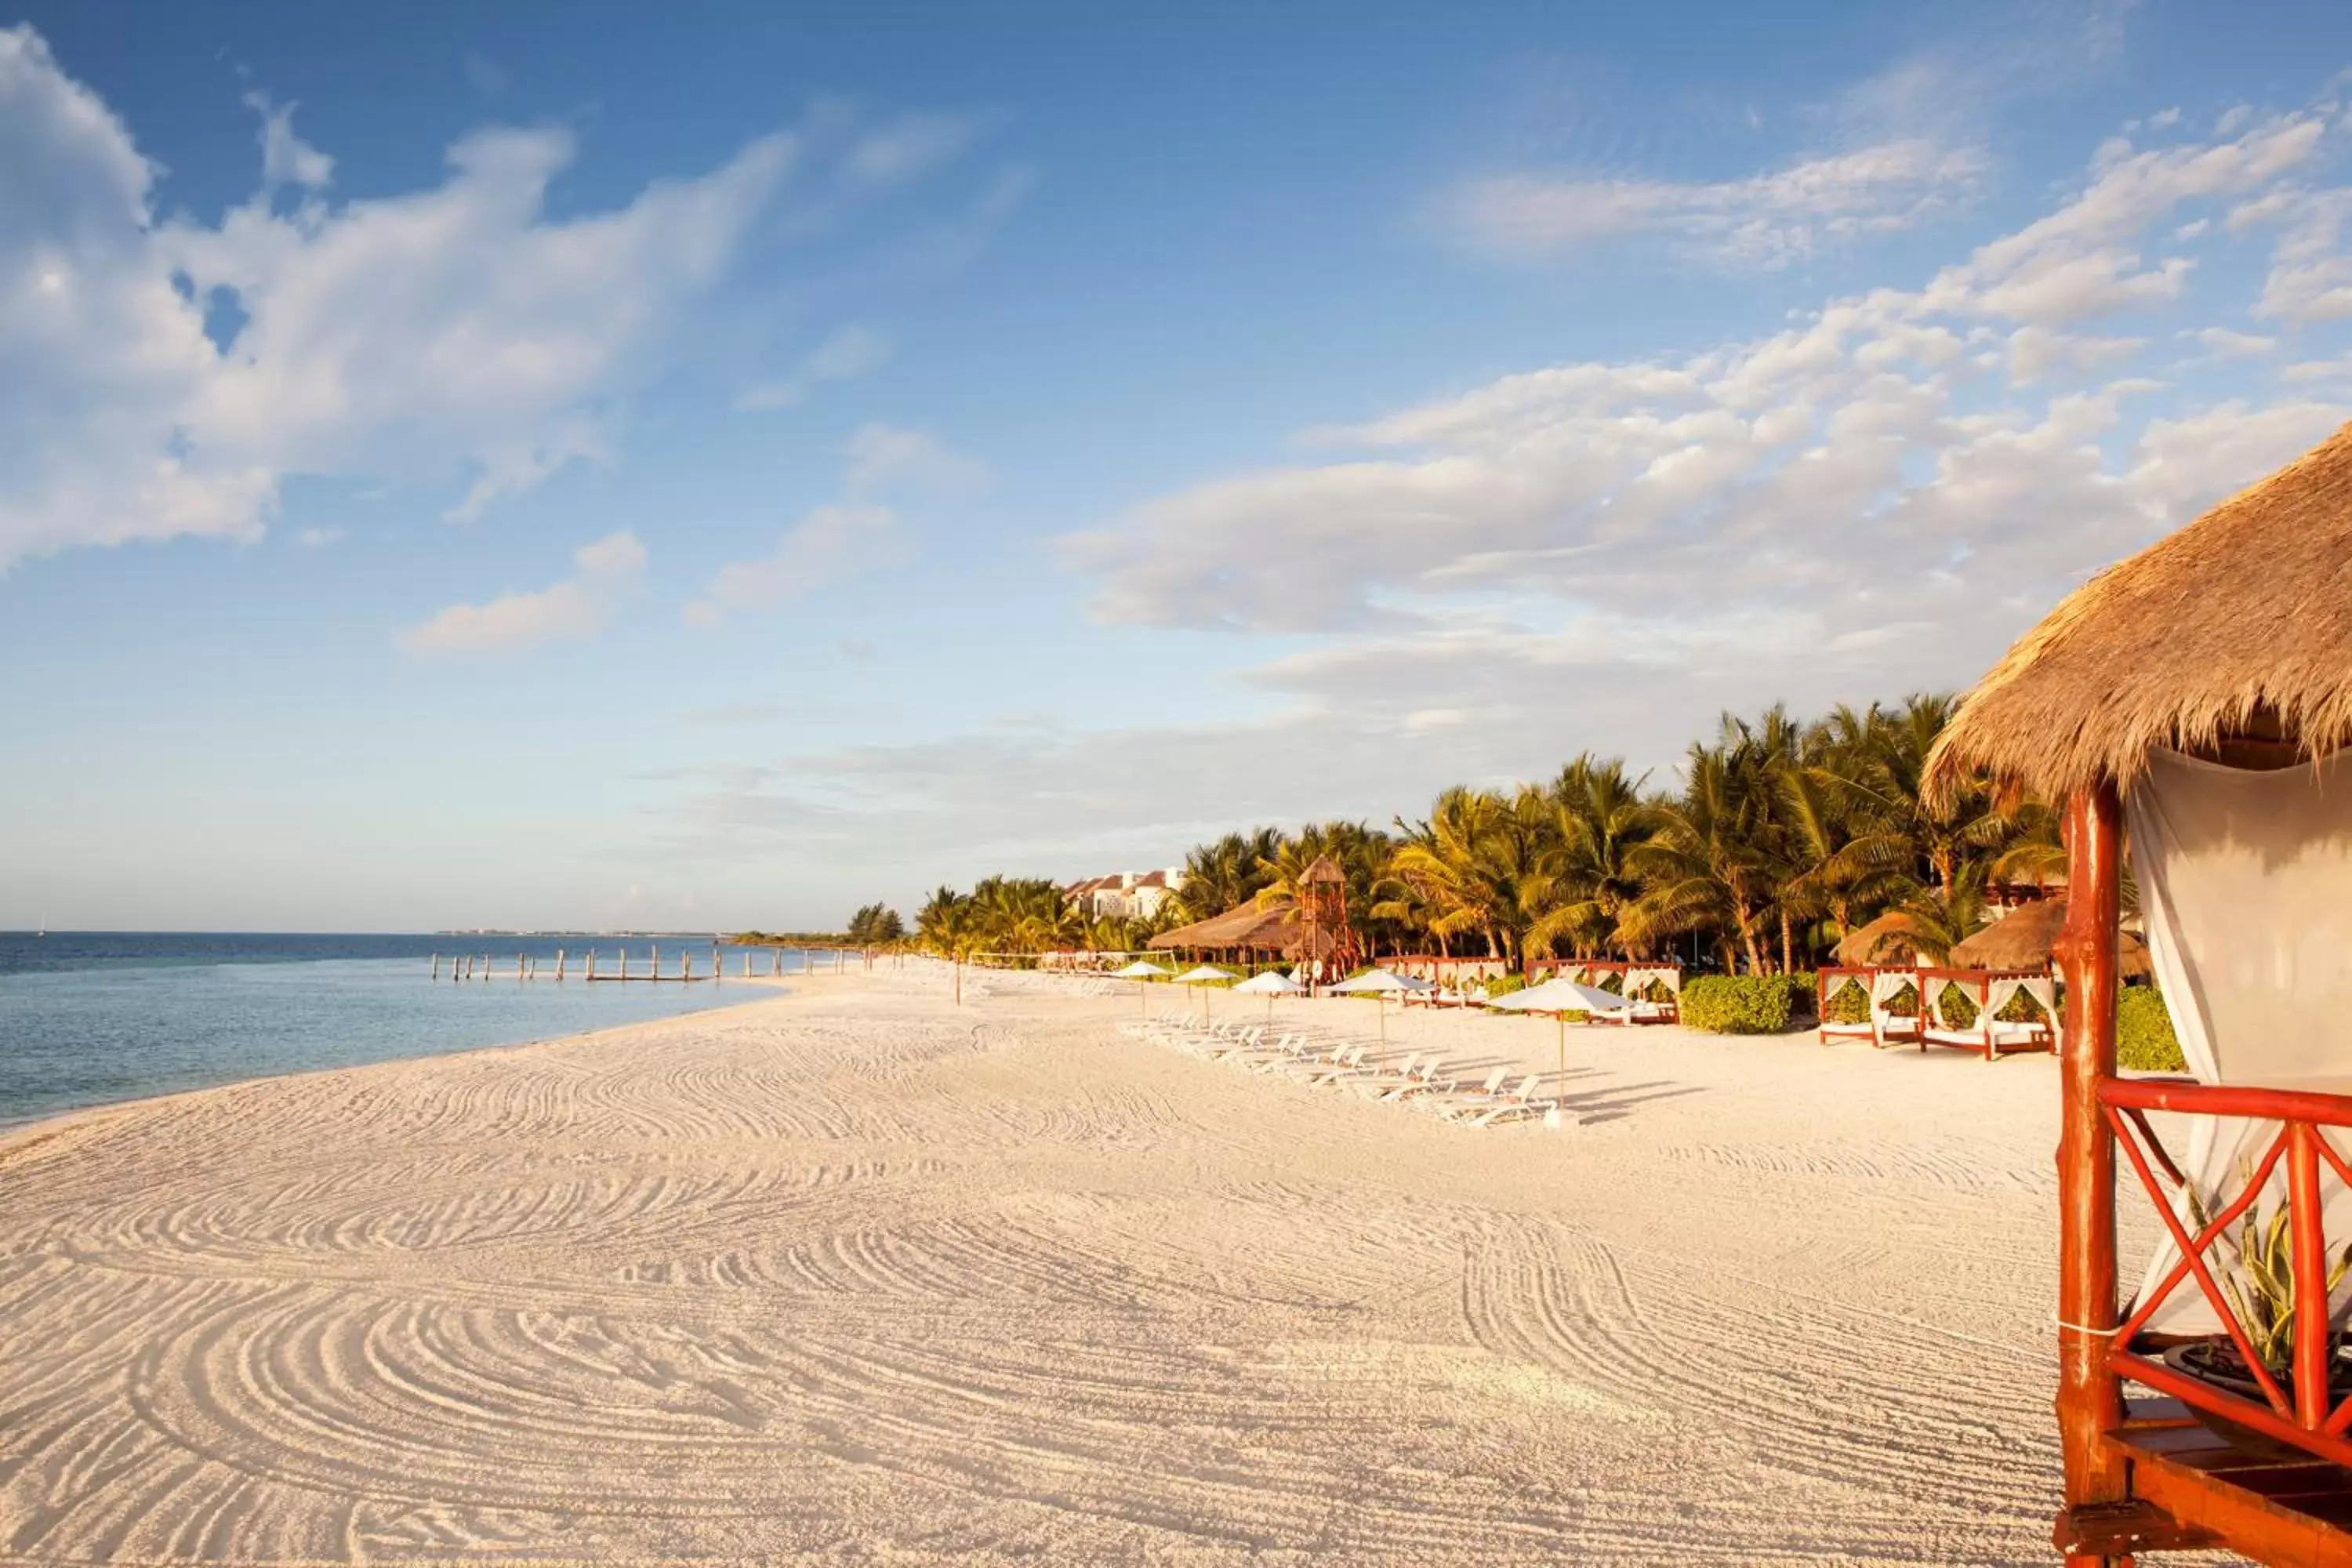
column 1504, row 984
column 2144, row 1038
column 1850, row 1003
column 1747, row 1003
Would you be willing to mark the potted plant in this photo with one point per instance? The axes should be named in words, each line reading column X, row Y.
column 2260, row 1289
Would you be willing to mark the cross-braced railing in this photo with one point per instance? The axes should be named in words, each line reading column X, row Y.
column 2299, row 1414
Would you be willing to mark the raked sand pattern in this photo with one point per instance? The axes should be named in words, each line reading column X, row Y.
column 853, row 1272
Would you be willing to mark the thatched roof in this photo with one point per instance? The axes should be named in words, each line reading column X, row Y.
column 2023, row 940
column 1273, row 927
column 2239, row 620
column 1885, row 941
column 1324, row 869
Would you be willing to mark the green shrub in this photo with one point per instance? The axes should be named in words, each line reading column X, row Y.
column 1957, row 1006
column 2143, row 1037
column 1504, row 984
column 2022, row 1009
column 1849, row 1004
column 1613, row 982
column 1747, row 1003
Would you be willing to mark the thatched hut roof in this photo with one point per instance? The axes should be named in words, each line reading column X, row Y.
column 1273, row 928
column 1885, row 941
column 2023, row 940
column 2241, row 621
column 1324, row 869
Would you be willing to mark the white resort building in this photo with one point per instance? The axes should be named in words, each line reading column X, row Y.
column 1125, row 895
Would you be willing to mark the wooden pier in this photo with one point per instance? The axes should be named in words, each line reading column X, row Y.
column 615, row 967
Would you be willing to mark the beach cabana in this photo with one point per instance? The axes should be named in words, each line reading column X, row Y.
column 2194, row 702
column 1963, row 1007
column 1881, row 986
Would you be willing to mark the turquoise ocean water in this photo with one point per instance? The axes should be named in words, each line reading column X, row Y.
column 86, row 1019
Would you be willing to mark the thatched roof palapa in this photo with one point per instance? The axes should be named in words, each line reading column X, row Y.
column 1273, row 928
column 1885, row 940
column 2241, row 622
column 2024, row 939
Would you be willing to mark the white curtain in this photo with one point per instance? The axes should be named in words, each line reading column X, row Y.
column 1638, row 978
column 2245, row 889
column 1886, row 985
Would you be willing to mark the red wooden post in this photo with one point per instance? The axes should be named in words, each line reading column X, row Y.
column 2090, row 1396
column 2311, row 1358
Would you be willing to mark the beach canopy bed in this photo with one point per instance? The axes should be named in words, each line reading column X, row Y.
column 2193, row 703
column 1964, row 1007
column 1881, row 985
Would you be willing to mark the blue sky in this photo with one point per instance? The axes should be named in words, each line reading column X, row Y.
column 537, row 466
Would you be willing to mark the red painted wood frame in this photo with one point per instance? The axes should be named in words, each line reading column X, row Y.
column 2301, row 1415
column 2119, row 1466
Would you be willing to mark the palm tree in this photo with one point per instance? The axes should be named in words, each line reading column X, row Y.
column 1706, row 867
column 1475, row 864
column 1587, row 877
column 1885, row 763
column 1227, row 873
column 1939, row 919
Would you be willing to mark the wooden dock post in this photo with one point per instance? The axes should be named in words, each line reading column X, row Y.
column 437, row 966
column 655, row 948
column 559, row 965
column 518, row 970
column 625, row 960
column 686, row 965
column 592, row 963
column 779, row 964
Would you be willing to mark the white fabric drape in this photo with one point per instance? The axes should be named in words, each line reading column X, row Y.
column 1886, row 985
column 1639, row 978
column 1997, row 995
column 2245, row 889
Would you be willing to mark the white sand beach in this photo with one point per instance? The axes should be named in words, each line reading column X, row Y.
column 853, row 1271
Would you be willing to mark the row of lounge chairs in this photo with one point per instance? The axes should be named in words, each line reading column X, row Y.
column 1324, row 1058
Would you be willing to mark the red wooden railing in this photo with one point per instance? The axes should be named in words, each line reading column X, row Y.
column 2302, row 1414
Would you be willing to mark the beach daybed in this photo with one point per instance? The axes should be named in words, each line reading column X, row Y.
column 2195, row 703
column 1832, row 980
column 1988, row 993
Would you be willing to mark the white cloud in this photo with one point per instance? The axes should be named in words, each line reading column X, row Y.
column 850, row 352
column 829, row 542
column 286, row 158
column 2232, row 345
column 907, row 148
column 456, row 332
column 884, row 458
column 2311, row 276
column 857, row 534
column 1957, row 434
column 567, row 611
column 317, row 538
column 1766, row 219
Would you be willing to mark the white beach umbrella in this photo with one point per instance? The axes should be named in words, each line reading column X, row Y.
column 1271, row 984
column 1201, row 975
column 1379, row 983
column 1141, row 972
column 1559, row 997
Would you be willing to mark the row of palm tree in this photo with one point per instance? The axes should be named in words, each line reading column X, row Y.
column 1778, row 838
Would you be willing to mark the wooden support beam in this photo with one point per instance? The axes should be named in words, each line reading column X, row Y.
column 2090, row 1396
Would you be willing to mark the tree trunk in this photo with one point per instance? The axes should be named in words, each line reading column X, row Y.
column 1786, row 953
